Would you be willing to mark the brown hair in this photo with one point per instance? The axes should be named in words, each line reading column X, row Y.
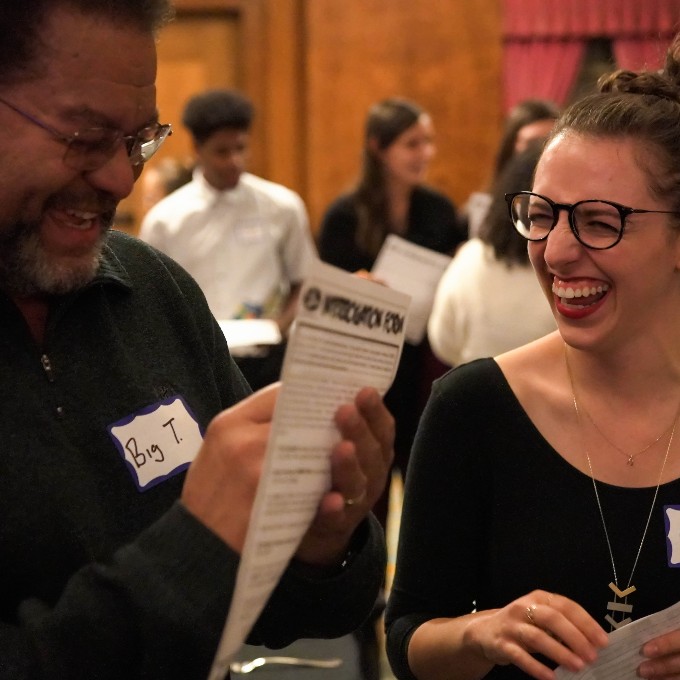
column 643, row 106
column 497, row 229
column 525, row 113
column 386, row 121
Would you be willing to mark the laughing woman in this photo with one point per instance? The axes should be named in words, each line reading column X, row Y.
column 543, row 493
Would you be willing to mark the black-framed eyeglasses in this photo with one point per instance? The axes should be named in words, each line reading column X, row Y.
column 595, row 223
column 90, row 148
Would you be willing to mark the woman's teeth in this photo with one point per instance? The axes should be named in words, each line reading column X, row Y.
column 568, row 293
column 584, row 291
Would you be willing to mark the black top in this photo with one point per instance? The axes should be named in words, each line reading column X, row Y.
column 431, row 224
column 492, row 512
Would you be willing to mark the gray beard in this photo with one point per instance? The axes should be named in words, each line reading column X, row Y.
column 26, row 270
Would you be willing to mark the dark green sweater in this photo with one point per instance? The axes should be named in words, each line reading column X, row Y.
column 100, row 579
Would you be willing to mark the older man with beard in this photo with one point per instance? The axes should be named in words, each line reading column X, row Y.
column 112, row 565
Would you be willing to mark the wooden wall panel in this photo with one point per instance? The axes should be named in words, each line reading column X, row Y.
column 444, row 54
column 277, row 89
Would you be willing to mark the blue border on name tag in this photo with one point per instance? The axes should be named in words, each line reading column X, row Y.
column 667, row 527
column 142, row 412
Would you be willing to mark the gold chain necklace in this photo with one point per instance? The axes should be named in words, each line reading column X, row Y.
column 630, row 456
column 620, row 613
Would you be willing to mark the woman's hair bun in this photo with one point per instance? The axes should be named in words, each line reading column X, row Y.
column 653, row 83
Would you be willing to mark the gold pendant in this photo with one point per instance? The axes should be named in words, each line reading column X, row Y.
column 622, row 608
column 630, row 461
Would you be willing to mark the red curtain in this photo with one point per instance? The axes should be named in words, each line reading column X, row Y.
column 546, row 69
column 533, row 19
column 544, row 40
column 639, row 53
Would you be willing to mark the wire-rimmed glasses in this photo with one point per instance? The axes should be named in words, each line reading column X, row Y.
column 90, row 148
column 596, row 224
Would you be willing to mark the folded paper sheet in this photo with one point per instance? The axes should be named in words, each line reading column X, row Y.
column 348, row 334
column 620, row 659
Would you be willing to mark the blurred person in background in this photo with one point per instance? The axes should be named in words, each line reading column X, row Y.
column 244, row 239
column 529, row 119
column 488, row 301
column 391, row 197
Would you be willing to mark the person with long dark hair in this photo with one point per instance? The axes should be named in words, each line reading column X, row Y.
column 488, row 300
column 530, row 119
column 391, row 197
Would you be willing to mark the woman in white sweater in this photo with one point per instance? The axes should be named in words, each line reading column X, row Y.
column 488, row 301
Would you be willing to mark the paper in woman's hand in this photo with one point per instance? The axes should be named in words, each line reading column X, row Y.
column 621, row 658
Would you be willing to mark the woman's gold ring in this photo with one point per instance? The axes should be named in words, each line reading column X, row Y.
column 530, row 611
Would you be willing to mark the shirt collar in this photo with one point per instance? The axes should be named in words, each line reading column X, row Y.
column 212, row 195
column 111, row 269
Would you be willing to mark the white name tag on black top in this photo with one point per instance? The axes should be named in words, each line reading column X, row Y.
column 672, row 522
column 157, row 442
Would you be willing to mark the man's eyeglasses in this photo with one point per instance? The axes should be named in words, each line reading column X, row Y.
column 596, row 224
column 89, row 149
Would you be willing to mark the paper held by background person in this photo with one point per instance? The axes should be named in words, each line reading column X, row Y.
column 411, row 269
column 621, row 658
column 247, row 333
column 348, row 334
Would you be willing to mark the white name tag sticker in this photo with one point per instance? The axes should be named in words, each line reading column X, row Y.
column 672, row 522
column 157, row 442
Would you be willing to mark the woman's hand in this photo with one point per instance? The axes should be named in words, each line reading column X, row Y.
column 663, row 657
column 539, row 623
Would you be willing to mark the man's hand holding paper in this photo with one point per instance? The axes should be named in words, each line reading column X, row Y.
column 236, row 440
column 360, row 463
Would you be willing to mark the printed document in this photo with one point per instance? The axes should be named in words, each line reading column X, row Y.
column 415, row 270
column 620, row 659
column 348, row 334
